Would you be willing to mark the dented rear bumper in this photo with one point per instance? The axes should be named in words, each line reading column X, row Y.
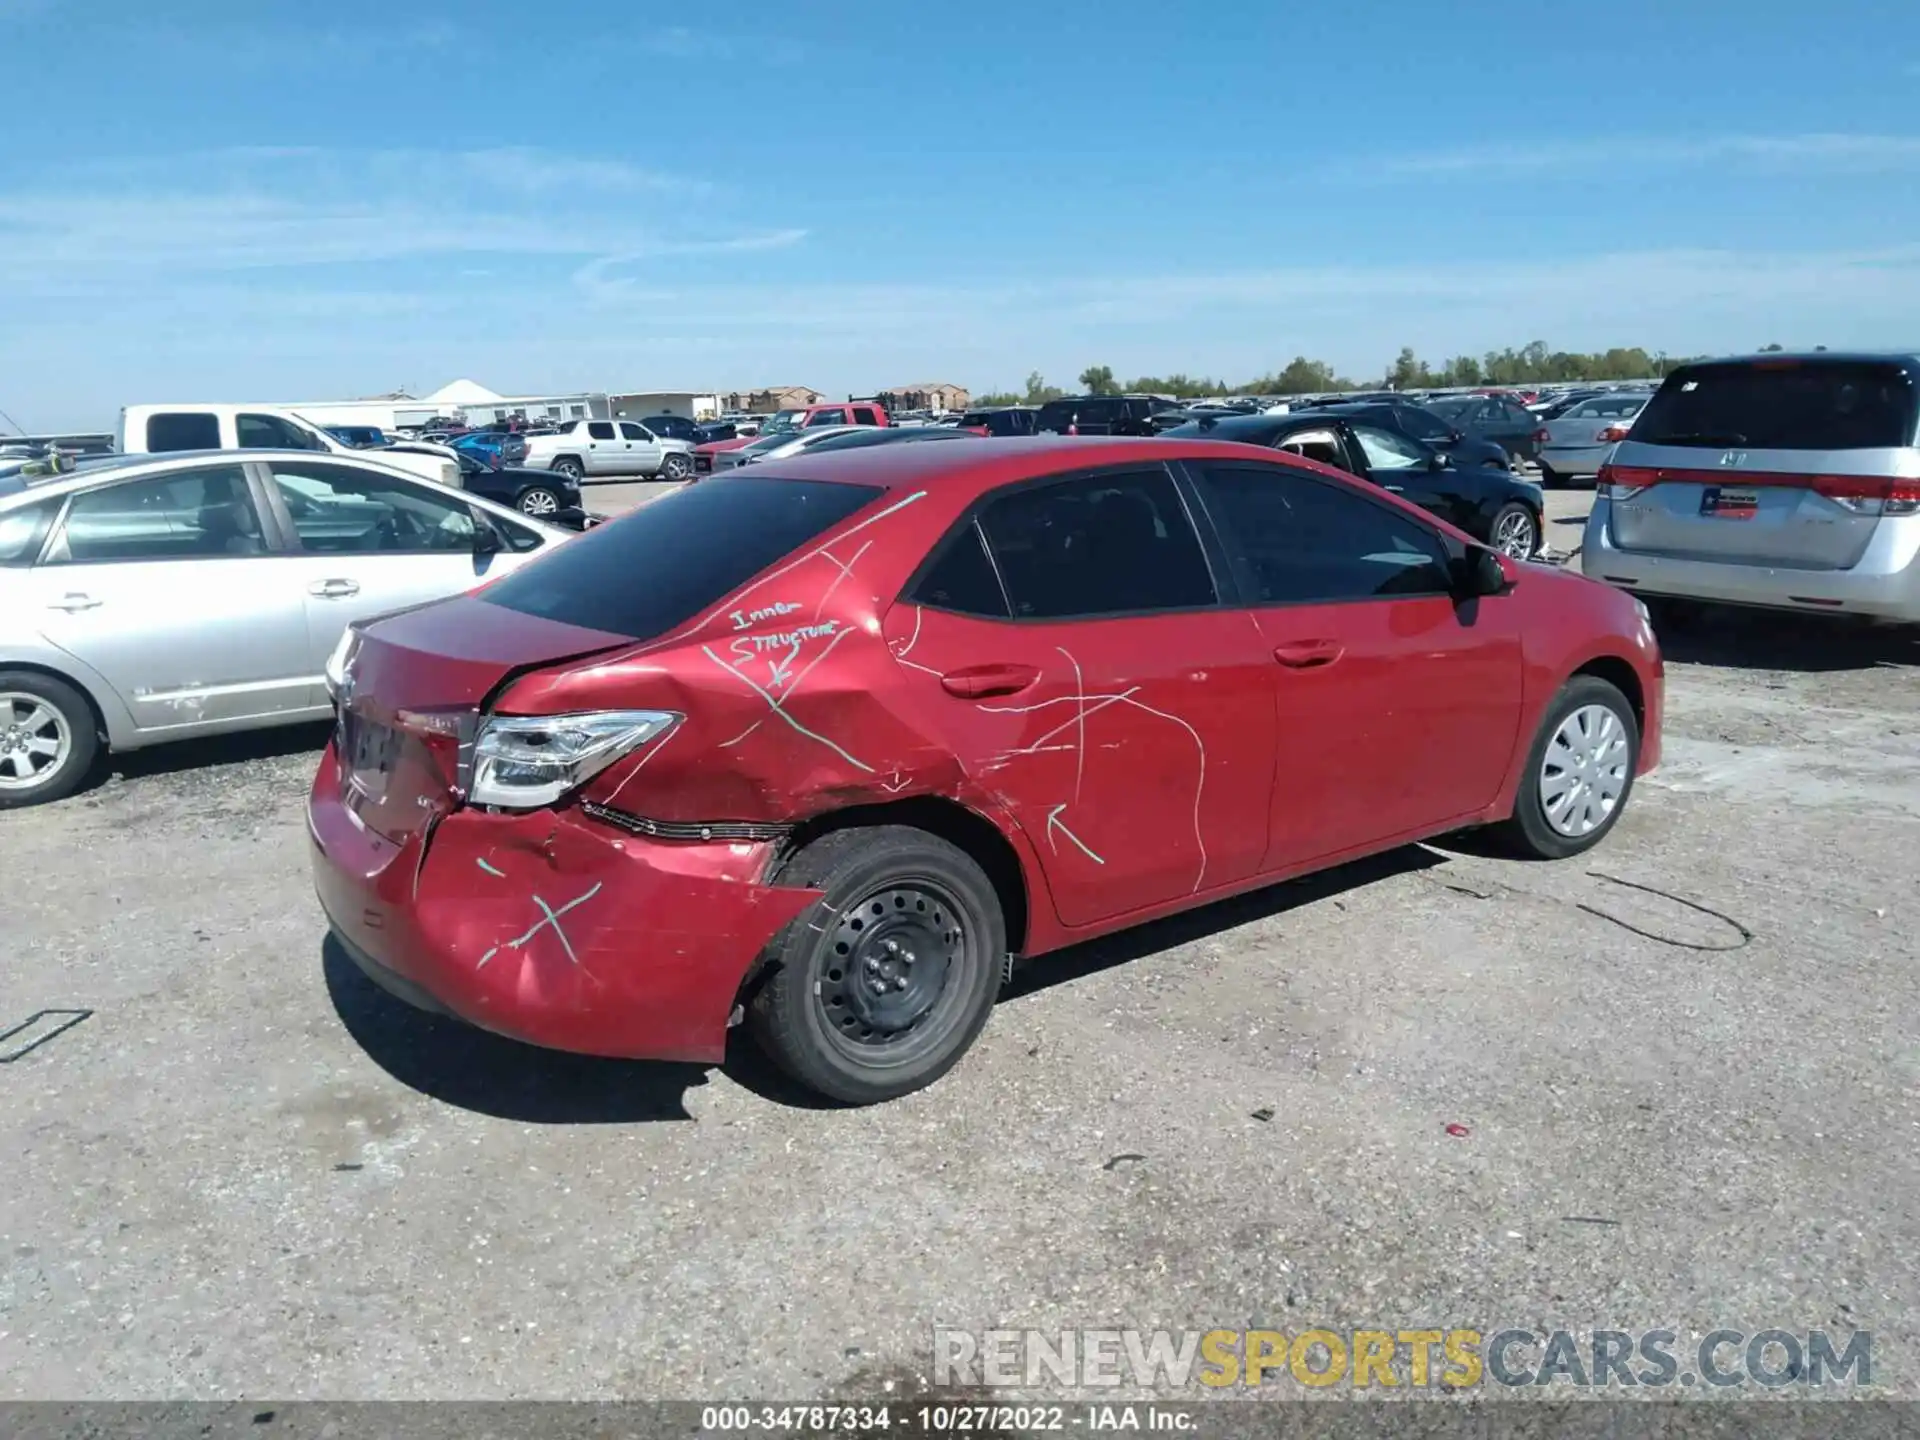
column 549, row 927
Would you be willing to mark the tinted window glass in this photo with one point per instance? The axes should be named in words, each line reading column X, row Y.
column 340, row 510
column 1299, row 540
column 183, row 432
column 661, row 565
column 599, row 430
column 1422, row 426
column 631, row 431
column 1101, row 545
column 826, row 417
column 23, row 530
column 1100, row 412
column 862, row 415
column 272, row 432
column 185, row 515
column 1385, row 450
column 1056, row 415
column 1782, row 405
column 962, row 579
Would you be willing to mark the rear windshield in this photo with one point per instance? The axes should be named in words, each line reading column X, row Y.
column 668, row 561
column 1782, row 405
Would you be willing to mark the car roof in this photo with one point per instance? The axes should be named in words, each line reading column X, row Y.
column 991, row 461
column 92, row 472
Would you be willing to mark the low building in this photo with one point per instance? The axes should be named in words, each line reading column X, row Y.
column 690, row 403
column 765, row 402
column 463, row 400
column 935, row 395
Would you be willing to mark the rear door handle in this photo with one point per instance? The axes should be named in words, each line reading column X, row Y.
column 978, row 682
column 74, row 601
column 1308, row 654
column 333, row 589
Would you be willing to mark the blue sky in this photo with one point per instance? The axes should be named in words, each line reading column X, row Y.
column 270, row 201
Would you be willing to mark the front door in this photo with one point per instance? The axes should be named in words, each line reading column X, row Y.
column 644, row 453
column 1101, row 694
column 1405, row 468
column 168, row 588
column 1398, row 708
column 370, row 542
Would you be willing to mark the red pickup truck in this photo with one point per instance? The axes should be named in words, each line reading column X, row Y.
column 837, row 412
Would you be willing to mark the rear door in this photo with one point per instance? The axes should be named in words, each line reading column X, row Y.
column 1777, row 462
column 170, row 587
column 605, row 450
column 1398, row 709
column 1080, row 661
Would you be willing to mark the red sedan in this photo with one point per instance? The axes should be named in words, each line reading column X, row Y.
column 824, row 748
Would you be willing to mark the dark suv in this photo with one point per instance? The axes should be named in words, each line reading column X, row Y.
column 1006, row 420
column 1101, row 415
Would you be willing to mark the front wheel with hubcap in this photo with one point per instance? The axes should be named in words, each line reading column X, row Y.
column 1579, row 772
column 539, row 501
column 47, row 739
column 1514, row 531
column 879, row 987
column 676, row 467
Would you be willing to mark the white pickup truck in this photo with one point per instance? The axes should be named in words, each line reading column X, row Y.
column 593, row 448
column 159, row 429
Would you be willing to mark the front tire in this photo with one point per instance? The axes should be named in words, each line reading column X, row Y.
column 48, row 740
column 878, row 988
column 1579, row 772
column 676, row 468
column 1514, row 531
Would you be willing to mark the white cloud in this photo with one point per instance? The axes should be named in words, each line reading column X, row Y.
column 1819, row 150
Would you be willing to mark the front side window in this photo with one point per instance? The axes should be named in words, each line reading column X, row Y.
column 184, row 515
column 339, row 510
column 1298, row 540
column 1098, row 545
column 600, row 430
column 631, row 431
column 826, row 417
column 1387, row 451
column 1422, row 426
column 273, row 432
column 187, row 430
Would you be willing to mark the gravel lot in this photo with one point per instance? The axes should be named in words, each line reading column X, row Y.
column 248, row 1174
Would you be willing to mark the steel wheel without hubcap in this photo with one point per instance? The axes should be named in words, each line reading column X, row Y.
column 1515, row 534
column 887, row 971
column 539, row 502
column 1584, row 773
column 35, row 742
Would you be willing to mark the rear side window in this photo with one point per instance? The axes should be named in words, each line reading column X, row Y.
column 664, row 563
column 962, row 579
column 600, row 430
column 183, row 431
column 23, row 530
column 863, row 416
column 1782, row 405
column 1055, row 415
column 1097, row 545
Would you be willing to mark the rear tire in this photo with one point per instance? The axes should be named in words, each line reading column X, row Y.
column 878, row 988
column 571, row 468
column 1579, row 773
column 48, row 739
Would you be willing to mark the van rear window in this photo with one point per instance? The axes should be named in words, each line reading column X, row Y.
column 666, row 562
column 1782, row 405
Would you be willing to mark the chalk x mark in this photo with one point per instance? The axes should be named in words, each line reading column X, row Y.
column 729, row 744
column 776, row 705
column 1054, row 822
column 552, row 918
column 491, row 870
column 846, row 573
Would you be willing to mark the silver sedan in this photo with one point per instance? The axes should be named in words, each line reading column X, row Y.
column 1576, row 445
column 154, row 598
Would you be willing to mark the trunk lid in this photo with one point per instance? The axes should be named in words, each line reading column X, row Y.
column 416, row 683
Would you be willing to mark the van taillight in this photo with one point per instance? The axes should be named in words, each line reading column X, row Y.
column 1869, row 494
column 1621, row 482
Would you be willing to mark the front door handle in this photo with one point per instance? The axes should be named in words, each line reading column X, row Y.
column 333, row 589
column 74, row 601
column 1308, row 654
column 978, row 682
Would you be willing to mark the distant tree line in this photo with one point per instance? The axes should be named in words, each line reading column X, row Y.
column 1532, row 364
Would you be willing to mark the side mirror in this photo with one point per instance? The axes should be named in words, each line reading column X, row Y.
column 486, row 539
column 1439, row 461
column 1478, row 573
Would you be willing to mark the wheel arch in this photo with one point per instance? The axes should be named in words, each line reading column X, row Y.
column 1624, row 678
column 86, row 691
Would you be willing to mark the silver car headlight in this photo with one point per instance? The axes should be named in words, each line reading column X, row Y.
column 340, row 661
column 521, row 762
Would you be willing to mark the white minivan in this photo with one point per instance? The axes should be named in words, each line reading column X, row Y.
column 163, row 429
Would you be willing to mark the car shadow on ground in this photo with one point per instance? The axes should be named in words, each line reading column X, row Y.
column 212, row 751
column 461, row 1066
column 1732, row 638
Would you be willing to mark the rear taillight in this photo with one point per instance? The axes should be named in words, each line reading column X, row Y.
column 522, row 762
column 1612, row 434
column 1541, row 435
column 1621, row 482
column 1868, row 494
